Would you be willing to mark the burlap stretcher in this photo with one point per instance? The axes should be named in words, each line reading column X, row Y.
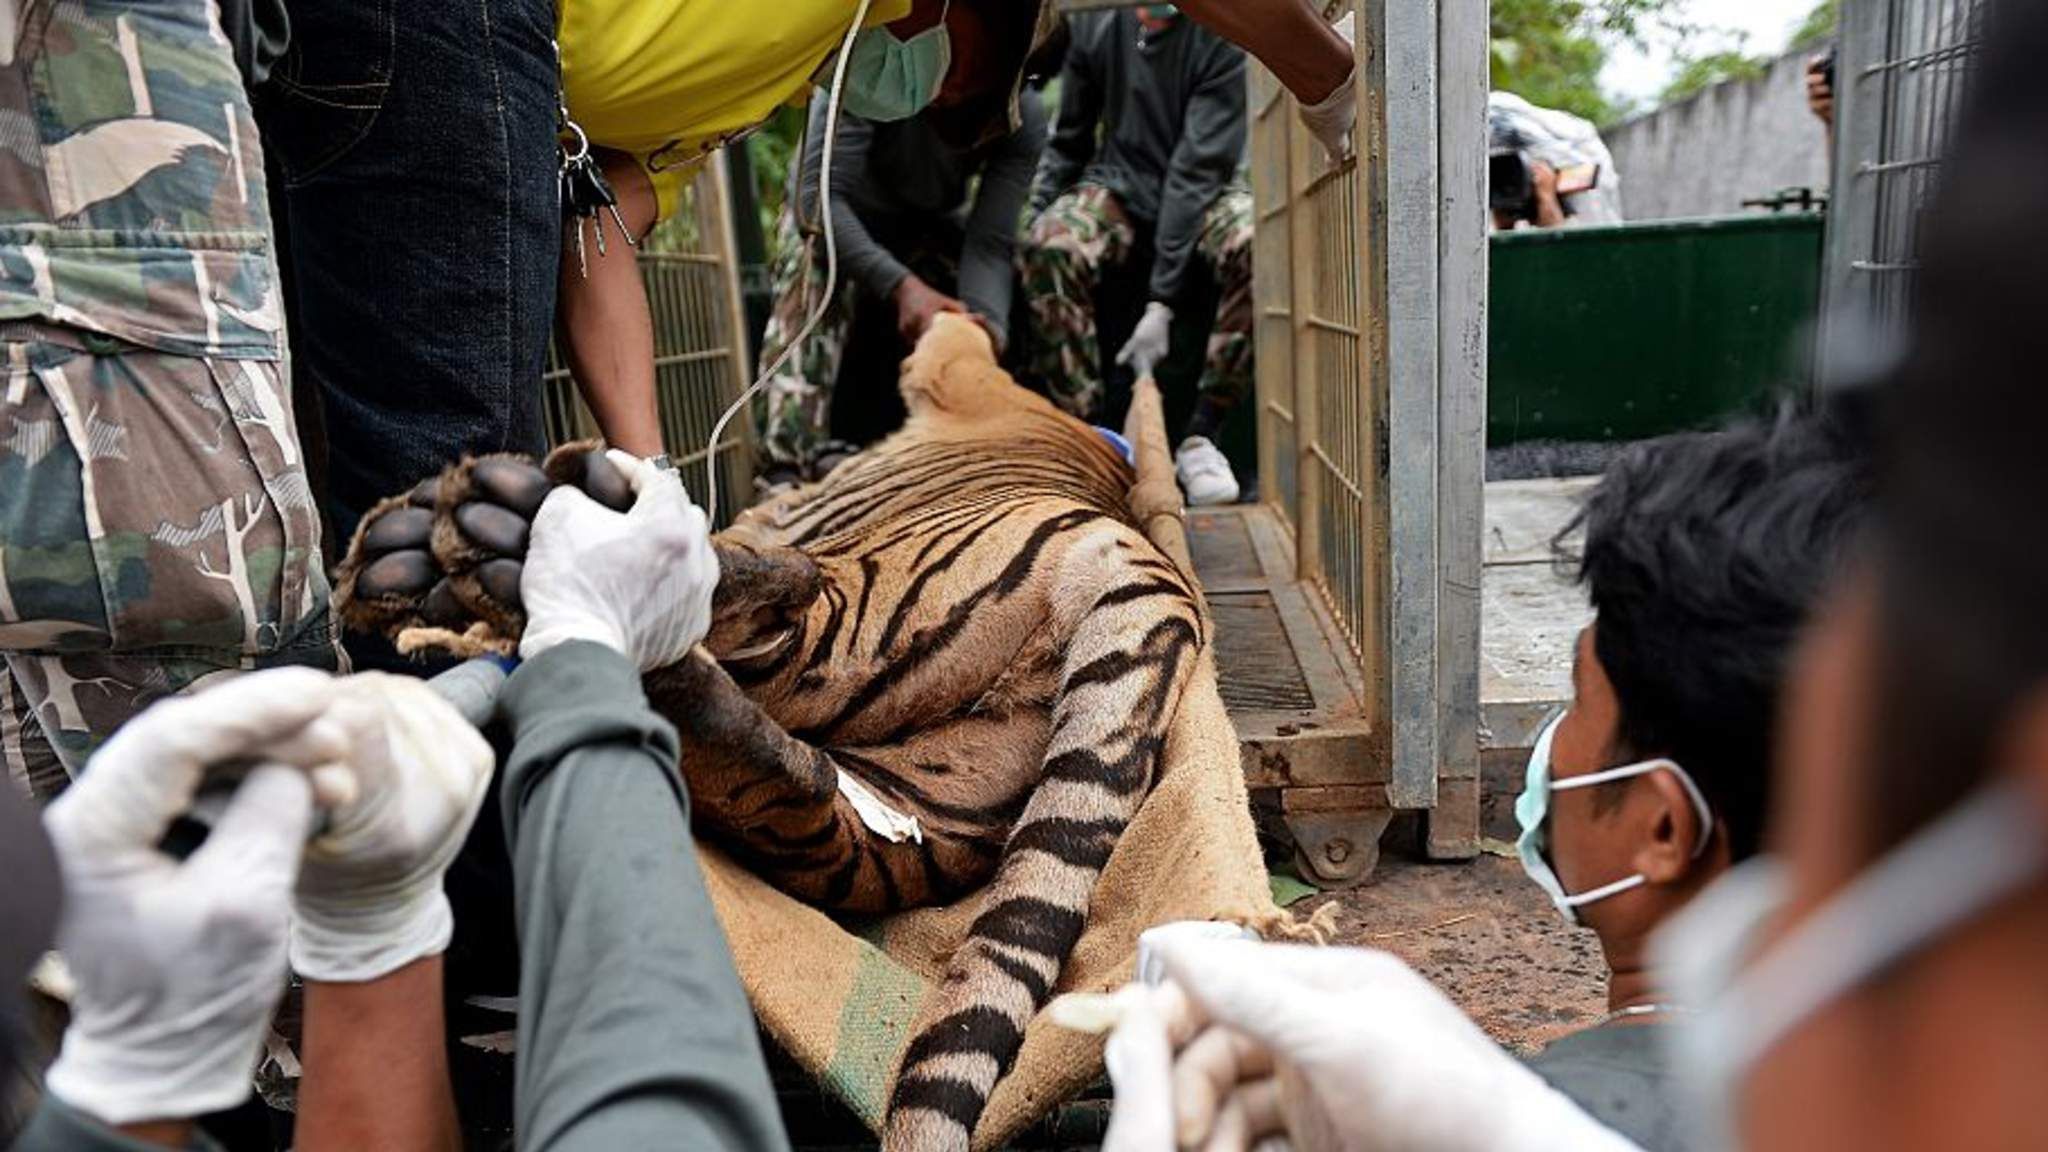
column 844, row 1003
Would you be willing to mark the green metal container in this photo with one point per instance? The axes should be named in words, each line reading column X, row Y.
column 1642, row 329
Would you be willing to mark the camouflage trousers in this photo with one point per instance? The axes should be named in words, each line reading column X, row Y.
column 794, row 415
column 793, row 421
column 156, row 527
column 156, row 530
column 1061, row 261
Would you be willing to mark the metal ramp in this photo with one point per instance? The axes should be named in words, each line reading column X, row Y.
column 1317, row 770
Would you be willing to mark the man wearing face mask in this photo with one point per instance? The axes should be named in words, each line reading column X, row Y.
column 925, row 219
column 1876, row 982
column 1704, row 554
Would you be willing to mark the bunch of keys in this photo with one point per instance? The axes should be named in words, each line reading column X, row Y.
column 584, row 192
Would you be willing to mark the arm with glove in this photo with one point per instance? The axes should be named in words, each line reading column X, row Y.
column 179, row 964
column 1204, row 160
column 1329, row 1048
column 370, row 920
column 633, row 1029
column 1313, row 59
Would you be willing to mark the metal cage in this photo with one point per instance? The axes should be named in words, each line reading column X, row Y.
column 1901, row 72
column 1369, row 289
column 700, row 353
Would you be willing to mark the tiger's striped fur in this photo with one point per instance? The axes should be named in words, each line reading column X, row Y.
column 967, row 620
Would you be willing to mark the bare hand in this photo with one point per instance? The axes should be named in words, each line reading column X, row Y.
column 1548, row 208
column 916, row 303
column 1820, row 91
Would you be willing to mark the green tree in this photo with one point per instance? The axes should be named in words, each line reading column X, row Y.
column 1696, row 74
column 1819, row 25
column 1550, row 52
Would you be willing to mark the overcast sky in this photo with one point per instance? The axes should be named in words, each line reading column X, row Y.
column 1640, row 75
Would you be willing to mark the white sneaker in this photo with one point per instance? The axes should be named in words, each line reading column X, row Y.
column 1204, row 473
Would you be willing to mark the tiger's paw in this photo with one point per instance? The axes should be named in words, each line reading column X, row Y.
column 438, row 569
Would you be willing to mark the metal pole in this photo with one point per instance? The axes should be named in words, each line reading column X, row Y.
column 1413, row 286
column 1461, row 414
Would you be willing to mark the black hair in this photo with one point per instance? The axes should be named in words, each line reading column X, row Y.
column 1704, row 555
column 1962, row 580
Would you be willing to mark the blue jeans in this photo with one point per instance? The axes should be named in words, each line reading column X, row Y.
column 415, row 145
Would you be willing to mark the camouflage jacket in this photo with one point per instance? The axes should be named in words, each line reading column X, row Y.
column 132, row 199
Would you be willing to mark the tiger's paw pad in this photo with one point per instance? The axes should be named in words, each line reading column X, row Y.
column 438, row 569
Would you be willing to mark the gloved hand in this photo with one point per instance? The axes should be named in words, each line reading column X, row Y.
column 639, row 582
column 179, row 965
column 369, row 898
column 1336, row 1048
column 1330, row 119
column 1149, row 340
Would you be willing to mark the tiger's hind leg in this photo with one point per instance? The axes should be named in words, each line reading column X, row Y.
column 1136, row 636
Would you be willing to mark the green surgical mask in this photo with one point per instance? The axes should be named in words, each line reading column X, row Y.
column 890, row 79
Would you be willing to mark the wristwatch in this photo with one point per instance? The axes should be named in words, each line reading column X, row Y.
column 660, row 460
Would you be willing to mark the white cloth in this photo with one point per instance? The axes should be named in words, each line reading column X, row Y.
column 1330, row 119
column 1560, row 140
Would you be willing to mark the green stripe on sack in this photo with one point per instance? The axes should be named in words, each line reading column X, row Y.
column 874, row 1026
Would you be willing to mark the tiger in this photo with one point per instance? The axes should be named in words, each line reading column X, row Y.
column 965, row 619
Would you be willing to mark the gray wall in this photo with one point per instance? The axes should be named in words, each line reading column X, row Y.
column 1736, row 141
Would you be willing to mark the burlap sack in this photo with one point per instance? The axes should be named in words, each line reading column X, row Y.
column 845, row 1002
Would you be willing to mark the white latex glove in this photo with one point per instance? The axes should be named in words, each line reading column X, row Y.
column 179, row 966
column 369, row 897
column 1149, row 340
column 1339, row 1049
column 1330, row 119
column 639, row 582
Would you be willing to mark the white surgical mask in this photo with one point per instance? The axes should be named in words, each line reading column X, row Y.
column 889, row 79
column 1532, row 809
column 1985, row 850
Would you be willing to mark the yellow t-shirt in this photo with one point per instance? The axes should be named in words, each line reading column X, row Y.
column 671, row 81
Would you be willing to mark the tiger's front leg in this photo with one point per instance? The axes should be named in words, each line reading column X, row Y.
column 776, row 803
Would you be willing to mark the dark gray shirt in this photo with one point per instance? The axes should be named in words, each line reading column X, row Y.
column 905, row 179
column 633, row 1029
column 1168, row 107
column 1619, row 1074
column 258, row 31
column 57, row 1127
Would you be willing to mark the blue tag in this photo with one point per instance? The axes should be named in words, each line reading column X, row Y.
column 1117, row 442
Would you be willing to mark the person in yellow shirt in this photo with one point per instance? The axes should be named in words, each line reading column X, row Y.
column 657, row 87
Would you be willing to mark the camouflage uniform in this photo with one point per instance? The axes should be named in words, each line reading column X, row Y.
column 796, row 415
column 1085, row 230
column 155, row 522
column 795, row 422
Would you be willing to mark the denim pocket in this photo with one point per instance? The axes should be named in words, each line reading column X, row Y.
column 326, row 94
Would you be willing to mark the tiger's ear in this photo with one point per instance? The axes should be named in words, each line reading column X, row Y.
column 951, row 368
column 761, row 590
